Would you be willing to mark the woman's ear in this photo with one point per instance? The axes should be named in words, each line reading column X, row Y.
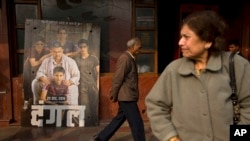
column 208, row 45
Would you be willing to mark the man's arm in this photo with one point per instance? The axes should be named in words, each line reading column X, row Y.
column 74, row 73
column 43, row 69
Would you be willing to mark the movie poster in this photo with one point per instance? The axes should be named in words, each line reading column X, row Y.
column 61, row 74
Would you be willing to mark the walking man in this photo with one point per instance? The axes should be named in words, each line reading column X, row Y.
column 125, row 91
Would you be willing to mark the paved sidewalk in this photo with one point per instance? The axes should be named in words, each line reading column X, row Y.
column 18, row 133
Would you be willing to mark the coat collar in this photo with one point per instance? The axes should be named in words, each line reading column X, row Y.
column 130, row 55
column 187, row 66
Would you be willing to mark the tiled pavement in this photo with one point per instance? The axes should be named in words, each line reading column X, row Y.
column 18, row 133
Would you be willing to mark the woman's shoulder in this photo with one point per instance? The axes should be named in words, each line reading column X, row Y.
column 176, row 64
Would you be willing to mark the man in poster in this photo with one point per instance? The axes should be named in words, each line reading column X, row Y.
column 45, row 74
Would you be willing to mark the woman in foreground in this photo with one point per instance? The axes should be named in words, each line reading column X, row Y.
column 191, row 99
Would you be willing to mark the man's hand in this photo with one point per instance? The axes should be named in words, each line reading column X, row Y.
column 112, row 99
column 175, row 138
column 45, row 80
column 68, row 82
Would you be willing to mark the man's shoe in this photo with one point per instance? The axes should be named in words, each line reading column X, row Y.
column 96, row 138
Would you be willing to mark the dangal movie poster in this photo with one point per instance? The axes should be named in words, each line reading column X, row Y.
column 61, row 74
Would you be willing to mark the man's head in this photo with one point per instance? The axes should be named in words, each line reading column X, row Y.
column 234, row 46
column 57, row 51
column 58, row 74
column 134, row 45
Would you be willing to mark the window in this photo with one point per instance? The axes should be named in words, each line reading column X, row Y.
column 145, row 27
column 22, row 9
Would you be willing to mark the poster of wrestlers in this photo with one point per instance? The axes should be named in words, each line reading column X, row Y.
column 61, row 74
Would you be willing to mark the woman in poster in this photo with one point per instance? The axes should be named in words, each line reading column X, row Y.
column 89, row 67
column 36, row 54
column 69, row 48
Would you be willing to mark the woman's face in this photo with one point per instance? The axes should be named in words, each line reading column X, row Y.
column 191, row 45
column 62, row 34
column 39, row 46
column 83, row 48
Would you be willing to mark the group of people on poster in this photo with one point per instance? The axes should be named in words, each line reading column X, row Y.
column 62, row 72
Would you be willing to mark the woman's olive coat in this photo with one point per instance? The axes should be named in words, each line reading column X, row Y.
column 198, row 108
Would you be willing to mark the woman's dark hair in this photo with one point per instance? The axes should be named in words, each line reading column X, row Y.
column 81, row 41
column 38, row 38
column 210, row 27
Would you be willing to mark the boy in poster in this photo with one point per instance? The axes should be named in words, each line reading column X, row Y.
column 56, row 92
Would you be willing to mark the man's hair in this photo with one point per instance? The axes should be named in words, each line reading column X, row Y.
column 56, row 44
column 133, row 41
column 235, row 42
column 58, row 69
